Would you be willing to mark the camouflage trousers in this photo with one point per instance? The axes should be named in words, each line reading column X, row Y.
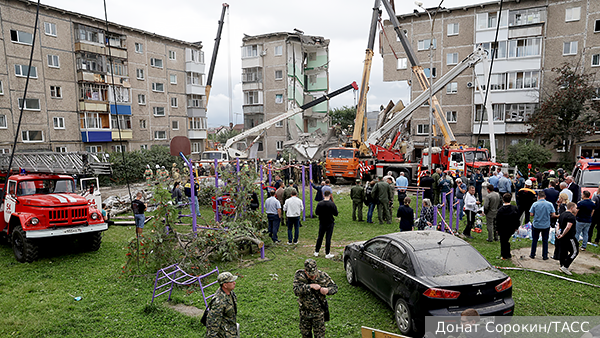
column 312, row 325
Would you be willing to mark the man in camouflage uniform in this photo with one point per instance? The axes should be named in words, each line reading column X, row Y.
column 175, row 176
column 311, row 286
column 148, row 175
column 221, row 318
column 287, row 193
column 357, row 194
column 383, row 195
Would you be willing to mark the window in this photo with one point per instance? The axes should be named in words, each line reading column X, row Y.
column 93, row 149
column 175, row 125
column 426, row 70
column 524, row 47
column 278, row 74
column 30, row 104
column 402, row 63
column 572, row 14
column 451, row 116
column 59, row 122
column 452, row 88
column 249, row 51
column 278, row 50
column 143, row 147
column 597, row 26
column 32, row 136
column 154, row 62
column 50, row 28
column 55, row 92
column 451, row 58
column 173, row 78
column 197, row 56
column 53, row 61
column 279, row 145
column 194, row 79
column 519, row 112
column 159, row 111
column 172, row 55
column 523, row 80
column 142, row 99
column 251, row 97
column 94, row 92
column 1, row 88
column 197, row 123
column 527, row 16
column 279, row 124
column 452, row 29
column 490, row 20
column 60, row 149
column 174, row 102
column 498, row 111
column 570, row 48
column 422, row 129
column 119, row 148
column 142, row 124
column 312, row 56
column 89, row 34
column 3, row 122
column 139, row 74
column 23, row 71
column 196, row 147
column 595, row 60
column 158, row 87
column 195, row 101
column 139, row 48
column 424, row 44
column 124, row 122
column 279, row 98
column 21, row 37
column 160, row 135
column 498, row 82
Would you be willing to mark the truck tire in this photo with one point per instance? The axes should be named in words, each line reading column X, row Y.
column 92, row 241
column 25, row 250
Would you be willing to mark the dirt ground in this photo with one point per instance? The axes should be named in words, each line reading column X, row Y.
column 191, row 311
column 585, row 262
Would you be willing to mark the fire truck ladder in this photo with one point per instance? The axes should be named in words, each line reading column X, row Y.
column 80, row 163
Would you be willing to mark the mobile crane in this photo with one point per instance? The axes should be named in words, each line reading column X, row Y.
column 346, row 162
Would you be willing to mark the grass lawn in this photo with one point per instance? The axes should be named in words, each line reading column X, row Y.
column 37, row 299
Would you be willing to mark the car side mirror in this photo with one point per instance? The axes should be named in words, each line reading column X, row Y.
column 361, row 247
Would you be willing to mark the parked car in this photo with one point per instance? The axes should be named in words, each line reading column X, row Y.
column 428, row 273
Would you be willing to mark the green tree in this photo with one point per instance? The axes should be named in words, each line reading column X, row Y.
column 344, row 116
column 226, row 134
column 135, row 163
column 527, row 152
column 567, row 113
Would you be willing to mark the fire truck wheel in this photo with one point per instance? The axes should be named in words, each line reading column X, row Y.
column 25, row 249
column 92, row 241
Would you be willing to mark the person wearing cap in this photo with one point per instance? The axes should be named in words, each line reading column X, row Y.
column 287, row 193
column 526, row 197
column 311, row 286
column 222, row 310
column 383, row 195
column 357, row 194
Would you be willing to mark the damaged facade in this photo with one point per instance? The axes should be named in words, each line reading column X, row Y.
column 281, row 71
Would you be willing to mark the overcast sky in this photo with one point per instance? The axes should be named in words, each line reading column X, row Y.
column 344, row 22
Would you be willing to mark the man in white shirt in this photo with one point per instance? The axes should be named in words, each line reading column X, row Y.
column 401, row 186
column 293, row 208
column 565, row 190
column 273, row 209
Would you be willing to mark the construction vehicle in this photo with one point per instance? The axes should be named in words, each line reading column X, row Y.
column 39, row 201
column 382, row 160
column 261, row 128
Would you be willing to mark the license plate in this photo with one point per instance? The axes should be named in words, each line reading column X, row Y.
column 338, row 174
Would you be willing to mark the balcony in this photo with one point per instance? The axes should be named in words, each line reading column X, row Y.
column 251, row 62
column 195, row 89
column 126, row 134
column 196, row 112
column 99, row 49
column 96, row 135
column 93, row 106
column 253, row 109
column 197, row 134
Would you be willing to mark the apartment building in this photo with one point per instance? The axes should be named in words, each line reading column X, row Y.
column 281, row 71
column 94, row 87
column 534, row 37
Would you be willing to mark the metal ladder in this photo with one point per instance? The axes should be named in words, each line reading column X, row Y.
column 80, row 163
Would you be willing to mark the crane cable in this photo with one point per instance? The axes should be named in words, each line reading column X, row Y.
column 12, row 154
column 487, row 86
column 114, row 90
column 229, row 87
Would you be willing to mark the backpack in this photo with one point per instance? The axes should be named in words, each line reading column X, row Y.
column 368, row 197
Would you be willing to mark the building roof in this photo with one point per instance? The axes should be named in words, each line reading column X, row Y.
column 306, row 39
column 239, row 126
column 460, row 8
column 119, row 26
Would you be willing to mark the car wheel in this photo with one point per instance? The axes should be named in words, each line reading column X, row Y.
column 25, row 250
column 403, row 317
column 92, row 242
column 350, row 276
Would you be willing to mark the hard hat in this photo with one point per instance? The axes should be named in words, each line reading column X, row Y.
column 157, row 166
column 162, row 167
column 528, row 182
column 148, row 166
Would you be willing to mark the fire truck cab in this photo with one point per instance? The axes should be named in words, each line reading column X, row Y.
column 587, row 174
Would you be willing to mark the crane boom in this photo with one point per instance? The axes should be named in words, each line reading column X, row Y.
column 233, row 153
column 420, row 74
column 364, row 85
column 213, row 60
column 469, row 61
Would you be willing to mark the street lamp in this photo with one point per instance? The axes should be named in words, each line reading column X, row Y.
column 430, row 141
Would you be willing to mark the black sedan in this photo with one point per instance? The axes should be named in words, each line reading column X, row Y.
column 428, row 273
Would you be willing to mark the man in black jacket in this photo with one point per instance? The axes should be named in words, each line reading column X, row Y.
column 326, row 210
column 507, row 222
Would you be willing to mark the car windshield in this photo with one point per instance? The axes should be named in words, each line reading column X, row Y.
column 453, row 260
column 590, row 178
column 479, row 156
column 340, row 153
column 45, row 187
column 211, row 156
